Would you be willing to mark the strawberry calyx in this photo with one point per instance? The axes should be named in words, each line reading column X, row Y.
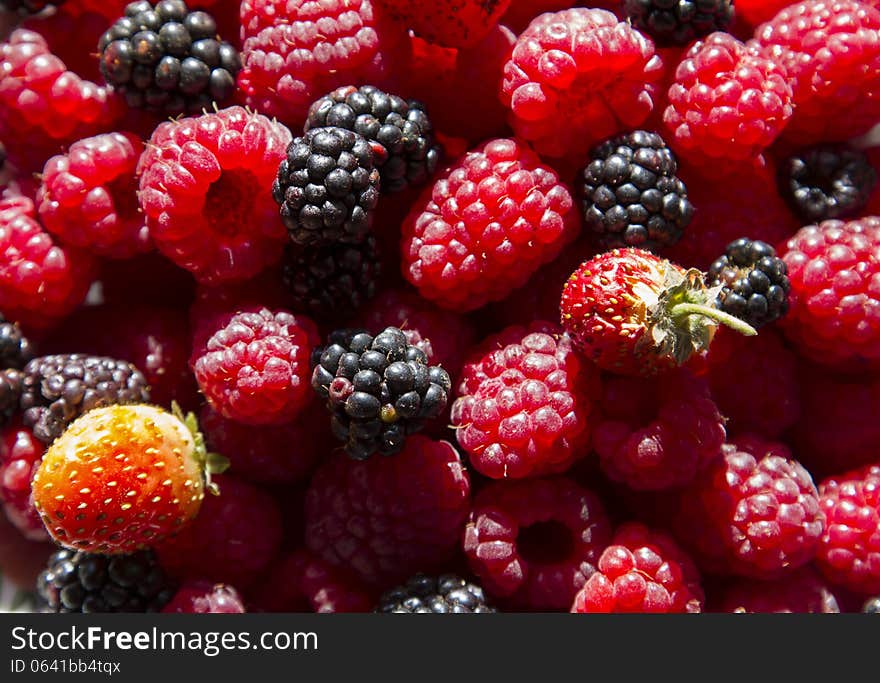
column 209, row 463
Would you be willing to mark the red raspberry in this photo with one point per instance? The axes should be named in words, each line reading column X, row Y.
column 577, row 77
column 834, row 304
column 487, row 224
column 727, row 102
column 659, row 433
column 20, row 457
column 838, row 429
column 295, row 51
column 206, row 189
column 204, row 597
column 526, row 403
column 849, row 552
column 234, row 538
column 282, row 454
column 753, row 512
column 386, row 518
column 831, row 53
column 801, row 592
column 40, row 282
column 43, row 106
column 452, row 23
column 641, row 571
column 301, row 582
column 443, row 335
column 755, row 211
column 88, row 197
column 535, row 542
column 256, row 369
column 754, row 382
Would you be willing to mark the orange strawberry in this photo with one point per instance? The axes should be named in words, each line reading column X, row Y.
column 122, row 478
column 636, row 314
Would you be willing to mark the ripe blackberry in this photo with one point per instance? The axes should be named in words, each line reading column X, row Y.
column 166, row 58
column 678, row 22
column 327, row 187
column 631, row 195
column 399, row 132
column 754, row 282
column 15, row 349
column 90, row 583
column 332, row 281
column 57, row 389
column 827, row 181
column 443, row 594
column 378, row 389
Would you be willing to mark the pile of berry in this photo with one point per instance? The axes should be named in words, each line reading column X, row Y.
column 447, row 306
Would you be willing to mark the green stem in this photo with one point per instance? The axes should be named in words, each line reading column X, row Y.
column 718, row 316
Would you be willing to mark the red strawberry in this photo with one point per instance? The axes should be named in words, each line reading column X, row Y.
column 121, row 478
column 637, row 314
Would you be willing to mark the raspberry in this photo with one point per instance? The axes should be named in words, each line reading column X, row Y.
column 234, row 538
column 399, row 132
column 15, row 349
column 166, row 58
column 205, row 189
column 849, row 552
column 256, row 368
column 378, row 390
column 203, row 597
column 679, row 22
column 43, row 106
column 754, row 382
column 641, row 571
column 631, row 195
column 585, row 68
column 88, row 197
column 753, row 512
column 445, row 594
column 487, row 224
column 452, row 23
column 657, row 434
column 827, row 181
column 442, row 335
column 301, row 582
column 535, row 543
column 727, row 102
column 294, row 51
column 838, row 428
column 834, row 314
column 386, row 518
column 754, row 210
column 327, row 187
column 266, row 454
column 830, row 51
column 20, row 456
column 525, row 403
column 801, row 592
column 40, row 282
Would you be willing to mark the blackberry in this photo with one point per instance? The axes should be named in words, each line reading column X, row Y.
column 327, row 187
column 872, row 606
column 447, row 594
column 58, row 389
column 827, row 181
column 85, row 582
column 378, row 389
column 678, row 22
column 753, row 282
column 167, row 59
column 15, row 349
column 630, row 194
column 333, row 281
column 399, row 132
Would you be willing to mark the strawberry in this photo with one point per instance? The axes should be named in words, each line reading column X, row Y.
column 122, row 478
column 636, row 314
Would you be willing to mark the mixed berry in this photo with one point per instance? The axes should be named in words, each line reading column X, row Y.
column 458, row 306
